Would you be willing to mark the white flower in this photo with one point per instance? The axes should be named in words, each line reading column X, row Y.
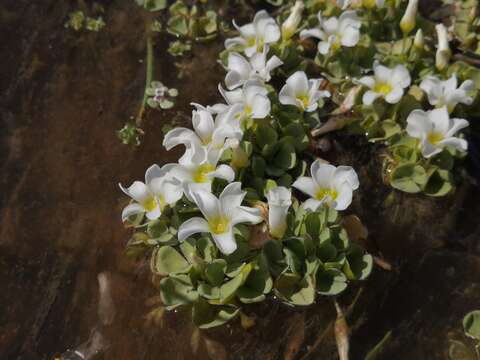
column 199, row 173
column 329, row 185
column 387, row 83
column 334, row 33
column 445, row 93
column 159, row 190
column 254, row 36
column 208, row 135
column 408, row 22
column 435, row 130
column 252, row 98
column 279, row 201
column 221, row 215
column 443, row 54
column 241, row 70
column 291, row 24
column 302, row 92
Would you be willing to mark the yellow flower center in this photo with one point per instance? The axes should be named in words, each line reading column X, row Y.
column 200, row 174
column 337, row 44
column 248, row 110
column 382, row 88
column 260, row 44
column 304, row 100
column 251, row 42
column 218, row 225
column 150, row 204
column 434, row 137
column 322, row 193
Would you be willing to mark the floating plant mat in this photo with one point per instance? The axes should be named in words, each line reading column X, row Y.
column 250, row 212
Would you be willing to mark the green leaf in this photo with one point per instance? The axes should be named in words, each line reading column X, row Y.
column 208, row 291
column 439, row 183
column 285, row 157
column 331, row 281
column 265, row 135
column 471, row 324
column 177, row 291
column 206, row 316
column 259, row 283
column 408, row 178
column 258, row 166
column 215, row 271
column 155, row 5
column 206, row 249
column 228, row 289
column 178, row 25
column 295, row 290
column 358, row 265
column 169, row 261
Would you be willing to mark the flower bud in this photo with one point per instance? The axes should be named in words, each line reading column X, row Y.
column 279, row 200
column 443, row 54
column 408, row 22
column 419, row 42
column 239, row 158
column 291, row 24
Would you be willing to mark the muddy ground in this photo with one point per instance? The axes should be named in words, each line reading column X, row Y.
column 63, row 96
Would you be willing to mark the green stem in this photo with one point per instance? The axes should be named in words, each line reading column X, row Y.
column 148, row 79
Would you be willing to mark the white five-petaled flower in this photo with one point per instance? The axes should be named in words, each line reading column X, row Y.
column 279, row 201
column 329, row 185
column 159, row 190
column 220, row 216
column 388, row 83
column 208, row 136
column 254, row 36
column 335, row 32
column 252, row 98
column 241, row 70
column 435, row 130
column 445, row 93
column 199, row 173
column 302, row 92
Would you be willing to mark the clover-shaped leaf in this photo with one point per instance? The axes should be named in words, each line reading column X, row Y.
column 176, row 291
column 330, row 281
column 169, row 261
column 471, row 324
column 206, row 316
column 408, row 178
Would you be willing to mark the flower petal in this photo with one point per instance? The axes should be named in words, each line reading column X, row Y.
column 245, row 214
column 225, row 242
column 312, row 204
column 132, row 209
column 418, row 124
column 369, row 97
column 314, row 32
column 394, row 96
column 458, row 124
column 153, row 172
column 138, row 191
column 223, row 172
column 192, row 226
column 306, row 185
column 207, row 203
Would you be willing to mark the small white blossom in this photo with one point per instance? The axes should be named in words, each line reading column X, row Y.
column 252, row 98
column 159, row 190
column 290, row 26
column 207, row 136
column 443, row 54
column 435, row 130
column 335, row 32
column 388, row 83
column 445, row 93
column 279, row 201
column 220, row 216
column 408, row 21
column 254, row 36
column 198, row 174
column 302, row 92
column 329, row 185
column 241, row 70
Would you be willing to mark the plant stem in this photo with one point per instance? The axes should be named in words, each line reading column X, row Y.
column 148, row 79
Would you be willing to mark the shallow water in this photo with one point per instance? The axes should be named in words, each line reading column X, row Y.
column 63, row 96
